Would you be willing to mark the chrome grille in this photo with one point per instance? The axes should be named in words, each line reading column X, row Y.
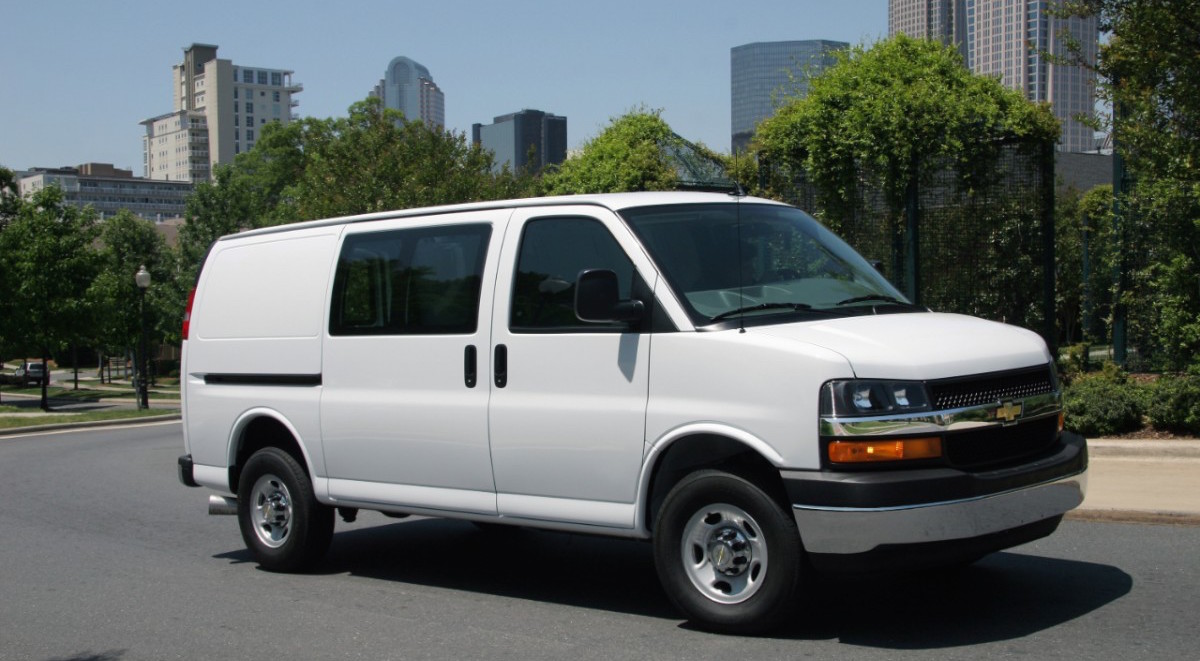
column 984, row 389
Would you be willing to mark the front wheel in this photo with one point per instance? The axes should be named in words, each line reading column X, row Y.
column 282, row 523
column 727, row 555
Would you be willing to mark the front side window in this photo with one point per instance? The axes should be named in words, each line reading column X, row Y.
column 422, row 281
column 759, row 263
column 552, row 254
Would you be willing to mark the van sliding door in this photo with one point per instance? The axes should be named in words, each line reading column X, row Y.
column 404, row 407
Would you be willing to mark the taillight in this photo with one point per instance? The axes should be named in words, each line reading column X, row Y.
column 187, row 313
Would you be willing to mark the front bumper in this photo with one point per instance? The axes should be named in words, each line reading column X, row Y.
column 858, row 513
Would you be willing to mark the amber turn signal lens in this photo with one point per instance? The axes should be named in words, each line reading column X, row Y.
column 1061, row 421
column 850, row 452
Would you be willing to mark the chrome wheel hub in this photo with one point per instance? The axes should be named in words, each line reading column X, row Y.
column 724, row 553
column 271, row 510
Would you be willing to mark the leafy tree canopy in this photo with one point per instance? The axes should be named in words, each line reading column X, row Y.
column 888, row 107
column 372, row 160
column 127, row 243
column 635, row 152
column 1149, row 72
column 47, row 254
column 10, row 196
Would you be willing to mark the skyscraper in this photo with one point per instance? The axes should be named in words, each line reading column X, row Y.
column 942, row 20
column 408, row 87
column 220, row 110
column 761, row 73
column 518, row 136
column 1009, row 39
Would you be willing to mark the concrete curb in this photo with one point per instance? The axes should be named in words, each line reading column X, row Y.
column 34, row 429
column 1134, row 516
column 1144, row 448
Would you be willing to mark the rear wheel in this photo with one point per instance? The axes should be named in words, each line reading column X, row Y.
column 282, row 523
column 727, row 554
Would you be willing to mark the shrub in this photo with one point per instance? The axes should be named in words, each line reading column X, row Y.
column 1173, row 404
column 1103, row 404
column 1076, row 360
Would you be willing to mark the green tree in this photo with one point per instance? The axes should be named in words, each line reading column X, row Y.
column 633, row 153
column 1149, row 71
column 127, row 243
column 896, row 111
column 10, row 197
column 10, row 203
column 48, row 255
column 375, row 160
column 1084, row 235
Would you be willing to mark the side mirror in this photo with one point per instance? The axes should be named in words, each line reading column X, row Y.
column 597, row 299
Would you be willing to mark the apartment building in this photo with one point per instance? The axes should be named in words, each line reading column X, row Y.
column 219, row 111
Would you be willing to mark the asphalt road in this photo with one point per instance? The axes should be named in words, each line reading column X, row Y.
column 104, row 555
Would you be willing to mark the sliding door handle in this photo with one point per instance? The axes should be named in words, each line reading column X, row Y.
column 500, row 369
column 470, row 366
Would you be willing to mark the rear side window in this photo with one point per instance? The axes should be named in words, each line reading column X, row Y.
column 421, row 281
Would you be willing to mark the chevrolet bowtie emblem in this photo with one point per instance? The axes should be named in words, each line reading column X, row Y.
column 1009, row 411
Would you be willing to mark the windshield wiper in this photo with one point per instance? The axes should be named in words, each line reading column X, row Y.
column 762, row 306
column 872, row 297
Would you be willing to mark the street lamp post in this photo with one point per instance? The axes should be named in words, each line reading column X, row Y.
column 142, row 279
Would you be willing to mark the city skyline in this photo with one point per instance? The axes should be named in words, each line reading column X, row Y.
column 75, row 88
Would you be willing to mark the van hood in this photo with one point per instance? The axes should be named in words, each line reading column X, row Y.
column 919, row 346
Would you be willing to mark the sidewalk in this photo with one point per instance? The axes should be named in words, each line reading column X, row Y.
column 1150, row 481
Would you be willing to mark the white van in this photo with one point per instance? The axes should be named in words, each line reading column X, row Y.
column 718, row 374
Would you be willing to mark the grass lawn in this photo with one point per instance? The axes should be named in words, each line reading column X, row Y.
column 16, row 422
column 86, row 394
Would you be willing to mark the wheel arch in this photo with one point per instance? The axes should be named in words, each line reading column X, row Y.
column 261, row 428
column 706, row 447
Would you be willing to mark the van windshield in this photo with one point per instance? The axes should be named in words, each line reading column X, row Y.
column 759, row 263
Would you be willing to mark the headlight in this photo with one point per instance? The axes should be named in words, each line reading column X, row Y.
column 862, row 397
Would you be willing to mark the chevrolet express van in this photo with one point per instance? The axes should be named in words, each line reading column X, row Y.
column 720, row 375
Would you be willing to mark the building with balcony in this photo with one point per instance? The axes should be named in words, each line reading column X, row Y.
column 220, row 111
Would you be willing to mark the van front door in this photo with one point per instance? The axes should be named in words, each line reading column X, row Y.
column 568, row 405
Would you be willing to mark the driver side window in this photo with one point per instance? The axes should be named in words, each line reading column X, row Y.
column 553, row 252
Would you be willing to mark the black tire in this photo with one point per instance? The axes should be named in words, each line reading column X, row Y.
column 282, row 523
column 728, row 555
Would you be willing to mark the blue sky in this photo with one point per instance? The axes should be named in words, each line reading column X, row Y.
column 76, row 77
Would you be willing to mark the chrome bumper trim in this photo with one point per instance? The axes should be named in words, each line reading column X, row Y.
column 844, row 530
column 940, row 422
